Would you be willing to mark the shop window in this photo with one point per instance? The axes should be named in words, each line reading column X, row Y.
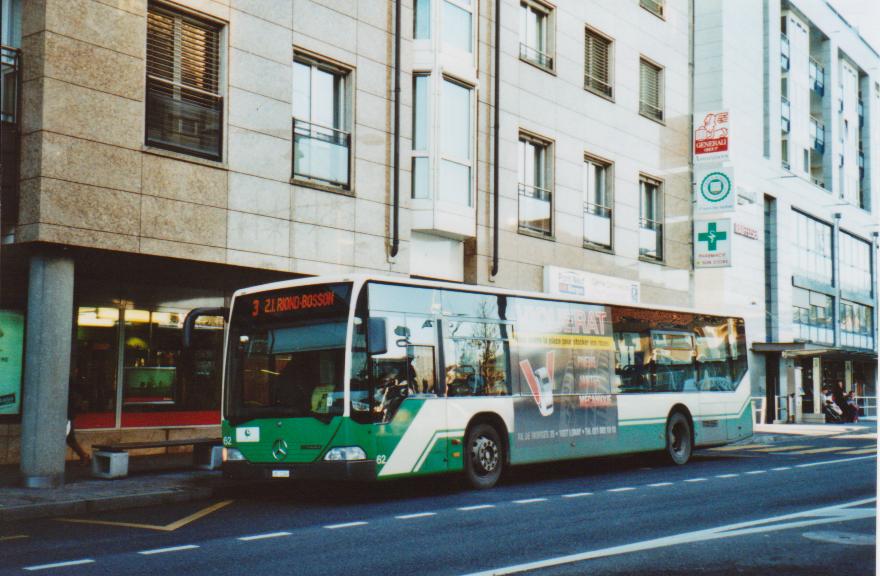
column 129, row 369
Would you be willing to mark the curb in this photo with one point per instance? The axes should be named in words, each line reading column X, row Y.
column 104, row 504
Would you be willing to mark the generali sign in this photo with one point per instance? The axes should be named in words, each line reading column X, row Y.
column 711, row 136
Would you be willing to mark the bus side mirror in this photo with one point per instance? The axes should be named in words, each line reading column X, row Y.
column 376, row 337
column 190, row 321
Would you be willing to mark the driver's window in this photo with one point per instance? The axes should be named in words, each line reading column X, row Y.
column 407, row 367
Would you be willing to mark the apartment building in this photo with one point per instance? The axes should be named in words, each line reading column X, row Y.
column 159, row 154
column 802, row 90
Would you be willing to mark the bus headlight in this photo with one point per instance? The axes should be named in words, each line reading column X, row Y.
column 346, row 453
column 232, row 455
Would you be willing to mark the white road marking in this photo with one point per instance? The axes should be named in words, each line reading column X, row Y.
column 169, row 549
column 817, row 516
column 781, row 468
column 60, row 564
column 659, row 484
column 624, row 489
column 529, row 500
column 838, row 461
column 345, row 525
column 416, row 515
column 577, row 495
column 477, row 507
column 264, row 536
column 753, row 472
column 695, row 480
column 727, row 475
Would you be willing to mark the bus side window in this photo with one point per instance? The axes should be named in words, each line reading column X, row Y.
column 715, row 347
column 631, row 372
column 476, row 359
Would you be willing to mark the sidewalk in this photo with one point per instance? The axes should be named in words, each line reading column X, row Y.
column 865, row 427
column 145, row 486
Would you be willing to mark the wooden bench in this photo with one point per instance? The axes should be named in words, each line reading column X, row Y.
column 111, row 460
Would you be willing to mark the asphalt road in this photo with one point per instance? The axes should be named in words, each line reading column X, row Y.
column 804, row 507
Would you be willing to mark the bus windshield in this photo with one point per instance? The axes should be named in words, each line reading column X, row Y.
column 287, row 353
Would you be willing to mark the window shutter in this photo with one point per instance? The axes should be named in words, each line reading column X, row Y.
column 649, row 90
column 184, row 53
column 596, row 62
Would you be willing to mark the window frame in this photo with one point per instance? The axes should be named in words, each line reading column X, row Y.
column 426, row 152
column 547, row 146
column 661, row 90
column 470, row 8
column 548, row 23
column 441, row 156
column 661, row 4
column 591, row 159
column 660, row 206
column 589, row 30
column 220, row 28
column 347, row 74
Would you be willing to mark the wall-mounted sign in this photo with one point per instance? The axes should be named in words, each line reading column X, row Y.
column 598, row 287
column 712, row 243
column 746, row 231
column 11, row 347
column 715, row 191
column 711, row 136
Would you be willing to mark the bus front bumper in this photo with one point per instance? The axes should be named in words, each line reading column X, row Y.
column 358, row 470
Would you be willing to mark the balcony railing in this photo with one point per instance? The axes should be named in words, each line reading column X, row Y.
column 10, row 131
column 817, row 77
column 184, row 119
column 321, row 153
column 650, row 239
column 535, row 209
column 817, row 135
column 786, row 114
column 650, row 110
column 785, row 52
column 534, row 55
column 597, row 225
column 597, row 85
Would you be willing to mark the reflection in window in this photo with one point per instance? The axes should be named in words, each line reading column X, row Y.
column 455, row 144
column 812, row 246
column 856, row 325
column 812, row 316
column 855, row 265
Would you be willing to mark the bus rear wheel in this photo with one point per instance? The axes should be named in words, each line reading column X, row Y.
column 484, row 456
column 679, row 439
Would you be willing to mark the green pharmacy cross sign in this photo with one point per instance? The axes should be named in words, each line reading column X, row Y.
column 712, row 236
column 712, row 243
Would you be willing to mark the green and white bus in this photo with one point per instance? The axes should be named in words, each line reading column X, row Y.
column 363, row 377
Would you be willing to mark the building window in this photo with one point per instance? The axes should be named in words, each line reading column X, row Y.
column 650, row 90
column 856, row 325
column 535, row 188
column 456, row 143
column 812, row 316
column 653, row 6
column 597, row 64
column 598, row 202
column 321, row 123
column 457, row 24
column 812, row 243
column 535, row 29
column 421, row 159
column 422, row 20
column 650, row 218
column 855, row 265
column 184, row 108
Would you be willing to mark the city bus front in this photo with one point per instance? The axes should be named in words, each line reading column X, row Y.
column 285, row 402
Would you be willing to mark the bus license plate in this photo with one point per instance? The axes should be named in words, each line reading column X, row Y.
column 280, row 473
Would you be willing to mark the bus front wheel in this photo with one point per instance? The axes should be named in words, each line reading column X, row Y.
column 484, row 457
column 679, row 439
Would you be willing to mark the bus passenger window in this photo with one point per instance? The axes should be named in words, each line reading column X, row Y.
column 673, row 357
column 716, row 344
column 476, row 359
column 630, row 369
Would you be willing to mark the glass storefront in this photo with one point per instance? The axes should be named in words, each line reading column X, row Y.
column 129, row 371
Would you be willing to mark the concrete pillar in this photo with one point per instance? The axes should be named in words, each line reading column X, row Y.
column 46, row 370
column 817, row 385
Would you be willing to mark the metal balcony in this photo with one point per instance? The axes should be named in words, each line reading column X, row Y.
column 10, row 132
column 785, row 52
column 786, row 114
column 535, row 210
column 536, row 56
column 321, row 153
column 817, row 135
column 817, row 77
